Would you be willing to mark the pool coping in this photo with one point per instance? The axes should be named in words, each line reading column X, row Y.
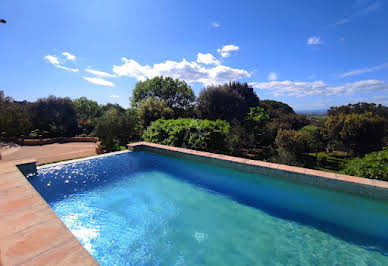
column 370, row 188
column 31, row 233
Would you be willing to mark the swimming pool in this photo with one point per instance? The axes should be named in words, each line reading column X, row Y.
column 148, row 208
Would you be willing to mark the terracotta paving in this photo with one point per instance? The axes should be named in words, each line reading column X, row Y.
column 51, row 152
column 351, row 184
column 31, row 233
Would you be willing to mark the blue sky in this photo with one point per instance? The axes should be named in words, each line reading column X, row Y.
column 309, row 54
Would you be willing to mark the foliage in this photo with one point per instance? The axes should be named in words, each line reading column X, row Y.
column 176, row 94
column 373, row 165
column 316, row 138
column 87, row 111
column 54, row 115
column 291, row 140
column 276, row 109
column 116, row 129
column 359, row 108
column 152, row 109
column 226, row 102
column 361, row 133
column 258, row 116
column 14, row 117
column 255, row 122
column 190, row 133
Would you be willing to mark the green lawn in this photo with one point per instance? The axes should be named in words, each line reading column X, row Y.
column 330, row 162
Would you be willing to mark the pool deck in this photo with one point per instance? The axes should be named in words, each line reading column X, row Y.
column 31, row 233
column 365, row 187
column 49, row 153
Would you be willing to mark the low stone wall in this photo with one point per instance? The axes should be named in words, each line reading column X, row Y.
column 369, row 188
column 36, row 142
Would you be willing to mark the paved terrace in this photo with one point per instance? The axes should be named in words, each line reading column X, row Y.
column 31, row 233
column 49, row 153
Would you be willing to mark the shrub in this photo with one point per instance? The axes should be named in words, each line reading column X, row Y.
column 116, row 129
column 373, row 165
column 189, row 133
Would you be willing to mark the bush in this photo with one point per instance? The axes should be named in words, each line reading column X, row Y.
column 189, row 133
column 116, row 129
column 373, row 165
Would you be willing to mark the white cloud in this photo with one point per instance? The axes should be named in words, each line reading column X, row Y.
column 100, row 73
column 57, row 63
column 314, row 40
column 99, row 81
column 185, row 70
column 67, row 68
column 301, row 88
column 226, row 49
column 115, row 96
column 69, row 56
column 363, row 70
column 272, row 76
column 52, row 59
column 207, row 59
column 215, row 24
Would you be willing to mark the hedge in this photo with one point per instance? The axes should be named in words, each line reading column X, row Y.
column 189, row 133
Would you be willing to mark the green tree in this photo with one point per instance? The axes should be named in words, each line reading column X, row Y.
column 54, row 115
column 176, row 94
column 152, row 109
column 255, row 121
column 290, row 143
column 14, row 117
column 87, row 111
column 115, row 129
column 359, row 108
column 360, row 133
column 227, row 102
column 316, row 140
column 373, row 165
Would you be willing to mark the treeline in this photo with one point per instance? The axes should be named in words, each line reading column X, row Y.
column 228, row 118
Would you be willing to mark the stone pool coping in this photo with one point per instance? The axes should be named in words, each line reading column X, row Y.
column 31, row 233
column 369, row 188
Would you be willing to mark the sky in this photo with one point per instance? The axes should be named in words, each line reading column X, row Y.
column 310, row 54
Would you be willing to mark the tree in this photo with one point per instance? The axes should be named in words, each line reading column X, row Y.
column 227, row 102
column 360, row 133
column 373, row 165
column 87, row 111
column 55, row 115
column 359, row 108
column 315, row 138
column 176, row 94
column 282, row 116
column 14, row 118
column 115, row 129
column 276, row 109
column 292, row 141
column 152, row 109
column 255, row 122
column 289, row 144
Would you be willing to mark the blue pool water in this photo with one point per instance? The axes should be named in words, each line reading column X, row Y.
column 143, row 208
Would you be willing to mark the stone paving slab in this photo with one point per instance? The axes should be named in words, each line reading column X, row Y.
column 52, row 152
column 31, row 233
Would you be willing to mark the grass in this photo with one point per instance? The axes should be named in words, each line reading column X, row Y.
column 329, row 162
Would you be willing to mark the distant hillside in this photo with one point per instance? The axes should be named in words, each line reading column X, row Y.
column 312, row 112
